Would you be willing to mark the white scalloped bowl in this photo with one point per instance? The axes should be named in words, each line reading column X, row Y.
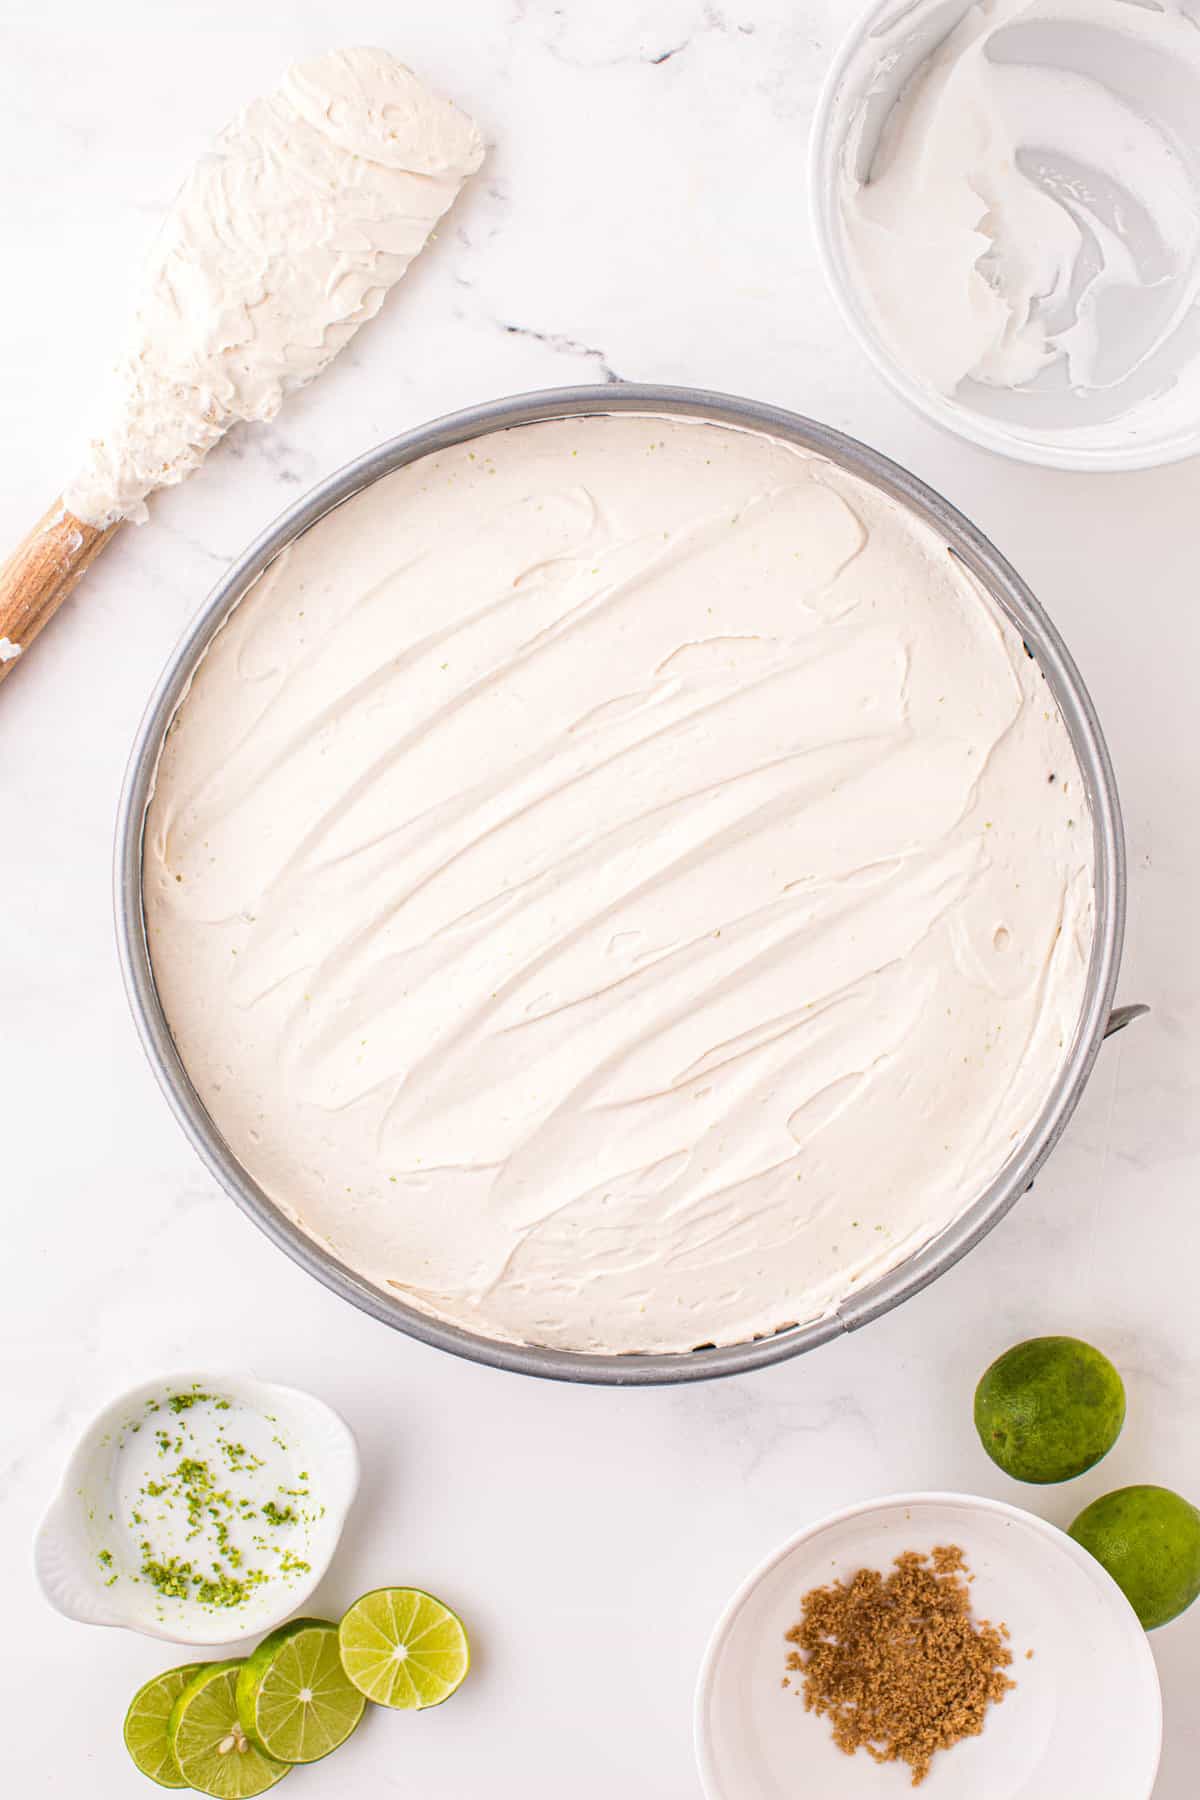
column 87, row 1549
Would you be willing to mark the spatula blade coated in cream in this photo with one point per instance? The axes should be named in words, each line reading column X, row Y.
column 282, row 242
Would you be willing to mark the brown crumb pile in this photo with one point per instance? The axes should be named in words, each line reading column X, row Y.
column 898, row 1662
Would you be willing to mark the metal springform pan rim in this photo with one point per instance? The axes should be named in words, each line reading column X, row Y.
column 1002, row 583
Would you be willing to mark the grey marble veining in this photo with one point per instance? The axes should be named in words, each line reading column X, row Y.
column 641, row 215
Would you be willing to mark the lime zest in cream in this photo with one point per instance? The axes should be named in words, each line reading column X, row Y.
column 210, row 1503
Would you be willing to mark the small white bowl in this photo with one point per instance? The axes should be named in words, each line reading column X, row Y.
column 87, row 1552
column 1084, row 1718
column 882, row 51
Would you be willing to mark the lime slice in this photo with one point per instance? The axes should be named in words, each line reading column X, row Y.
column 213, row 1752
column 146, row 1725
column 293, row 1697
column 403, row 1648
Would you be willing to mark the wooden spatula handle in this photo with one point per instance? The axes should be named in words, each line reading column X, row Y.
column 40, row 574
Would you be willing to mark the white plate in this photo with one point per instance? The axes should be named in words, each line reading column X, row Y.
column 87, row 1550
column 1084, row 1719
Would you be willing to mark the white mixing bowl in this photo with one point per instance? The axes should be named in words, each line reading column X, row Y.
column 878, row 58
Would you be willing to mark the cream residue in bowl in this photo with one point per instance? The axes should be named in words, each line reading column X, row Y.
column 1023, row 221
column 620, row 884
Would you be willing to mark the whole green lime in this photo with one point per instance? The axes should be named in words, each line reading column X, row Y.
column 1148, row 1539
column 1049, row 1409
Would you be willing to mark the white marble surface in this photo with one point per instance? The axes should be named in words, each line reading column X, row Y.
column 641, row 214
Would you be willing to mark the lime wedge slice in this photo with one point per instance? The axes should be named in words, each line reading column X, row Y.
column 293, row 1697
column 146, row 1725
column 403, row 1648
column 212, row 1751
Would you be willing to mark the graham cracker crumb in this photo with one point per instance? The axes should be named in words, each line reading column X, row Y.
column 898, row 1662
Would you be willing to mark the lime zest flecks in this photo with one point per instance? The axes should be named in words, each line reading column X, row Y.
column 205, row 1564
column 182, row 1402
column 239, row 1458
column 171, row 1578
column 177, row 1579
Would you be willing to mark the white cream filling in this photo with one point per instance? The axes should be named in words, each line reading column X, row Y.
column 282, row 242
column 620, row 884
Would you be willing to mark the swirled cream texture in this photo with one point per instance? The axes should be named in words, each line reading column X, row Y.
column 283, row 241
column 619, row 884
column 1026, row 227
